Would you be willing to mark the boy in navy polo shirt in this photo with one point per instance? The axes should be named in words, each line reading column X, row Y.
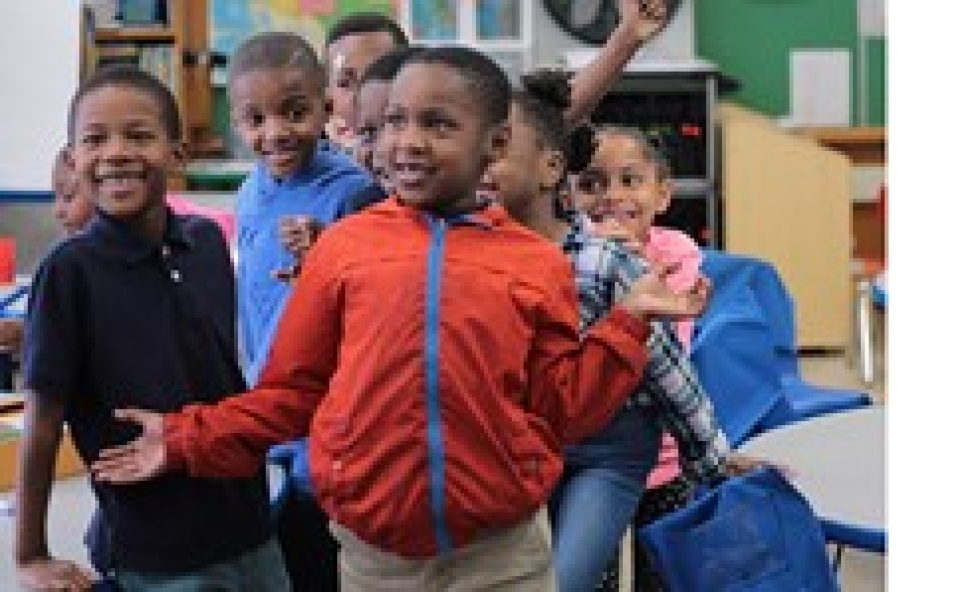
column 276, row 88
column 136, row 307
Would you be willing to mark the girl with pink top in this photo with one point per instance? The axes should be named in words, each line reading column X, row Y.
column 626, row 185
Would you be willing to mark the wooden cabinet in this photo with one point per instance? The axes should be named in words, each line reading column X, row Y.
column 787, row 199
column 177, row 52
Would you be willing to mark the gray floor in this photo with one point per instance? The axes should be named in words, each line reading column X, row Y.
column 72, row 501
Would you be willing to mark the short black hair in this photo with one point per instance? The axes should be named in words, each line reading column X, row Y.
column 385, row 68
column 129, row 76
column 545, row 96
column 489, row 82
column 358, row 23
column 277, row 49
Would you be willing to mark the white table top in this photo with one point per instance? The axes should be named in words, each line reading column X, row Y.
column 838, row 462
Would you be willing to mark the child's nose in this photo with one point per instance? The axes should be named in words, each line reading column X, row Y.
column 275, row 127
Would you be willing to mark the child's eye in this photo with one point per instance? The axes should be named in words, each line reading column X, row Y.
column 631, row 180
column 297, row 112
column 394, row 120
column 93, row 139
column 252, row 119
column 141, row 136
column 368, row 134
column 440, row 124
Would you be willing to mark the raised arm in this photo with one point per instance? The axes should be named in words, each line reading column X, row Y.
column 639, row 20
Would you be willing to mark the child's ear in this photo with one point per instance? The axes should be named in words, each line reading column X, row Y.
column 178, row 156
column 68, row 158
column 665, row 191
column 499, row 139
column 554, row 164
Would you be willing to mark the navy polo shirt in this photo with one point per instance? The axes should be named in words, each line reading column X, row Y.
column 116, row 322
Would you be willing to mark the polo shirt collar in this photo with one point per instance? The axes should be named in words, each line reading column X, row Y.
column 118, row 241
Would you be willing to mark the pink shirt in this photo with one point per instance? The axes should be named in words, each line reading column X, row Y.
column 224, row 219
column 668, row 246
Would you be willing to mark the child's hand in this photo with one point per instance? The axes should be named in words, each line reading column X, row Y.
column 138, row 460
column 297, row 235
column 645, row 17
column 651, row 296
column 54, row 574
column 615, row 232
column 737, row 464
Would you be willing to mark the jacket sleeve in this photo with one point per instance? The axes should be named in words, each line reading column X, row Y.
column 579, row 385
column 231, row 438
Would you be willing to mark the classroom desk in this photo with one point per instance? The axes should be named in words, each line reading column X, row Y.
column 838, row 462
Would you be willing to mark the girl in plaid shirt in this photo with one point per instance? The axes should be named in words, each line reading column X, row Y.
column 604, row 475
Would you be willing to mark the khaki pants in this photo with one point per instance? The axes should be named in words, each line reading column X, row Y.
column 515, row 559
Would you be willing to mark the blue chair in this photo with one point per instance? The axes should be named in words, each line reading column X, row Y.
column 748, row 292
column 732, row 352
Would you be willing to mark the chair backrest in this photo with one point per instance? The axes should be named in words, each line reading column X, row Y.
column 731, row 273
column 734, row 357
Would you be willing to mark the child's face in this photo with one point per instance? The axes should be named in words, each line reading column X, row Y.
column 371, row 103
column 621, row 186
column 121, row 151
column 71, row 208
column 516, row 180
column 279, row 114
column 348, row 58
column 437, row 139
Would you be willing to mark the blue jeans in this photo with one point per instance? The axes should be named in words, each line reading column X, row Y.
column 595, row 501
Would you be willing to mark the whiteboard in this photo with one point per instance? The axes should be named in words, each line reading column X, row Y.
column 39, row 67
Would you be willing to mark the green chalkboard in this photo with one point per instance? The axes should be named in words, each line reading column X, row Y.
column 751, row 41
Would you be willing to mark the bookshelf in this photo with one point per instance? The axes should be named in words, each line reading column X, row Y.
column 176, row 50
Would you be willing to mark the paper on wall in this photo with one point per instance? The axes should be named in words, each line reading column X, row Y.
column 820, row 87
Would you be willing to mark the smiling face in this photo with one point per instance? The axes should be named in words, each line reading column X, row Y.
column 624, row 182
column 437, row 138
column 279, row 114
column 371, row 103
column 121, row 152
column 348, row 58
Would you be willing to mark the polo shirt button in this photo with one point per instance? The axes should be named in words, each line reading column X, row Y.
column 336, row 465
column 175, row 275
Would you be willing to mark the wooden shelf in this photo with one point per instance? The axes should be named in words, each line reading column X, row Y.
column 136, row 35
column 863, row 145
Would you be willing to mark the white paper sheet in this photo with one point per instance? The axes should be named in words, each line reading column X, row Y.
column 820, row 87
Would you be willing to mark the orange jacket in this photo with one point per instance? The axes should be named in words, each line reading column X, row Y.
column 437, row 367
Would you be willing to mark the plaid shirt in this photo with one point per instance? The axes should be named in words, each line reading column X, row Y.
column 604, row 273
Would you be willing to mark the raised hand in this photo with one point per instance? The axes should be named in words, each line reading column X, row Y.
column 646, row 17
column 138, row 460
column 47, row 574
column 651, row 296
column 297, row 235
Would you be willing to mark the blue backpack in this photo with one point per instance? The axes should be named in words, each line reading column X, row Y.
column 754, row 533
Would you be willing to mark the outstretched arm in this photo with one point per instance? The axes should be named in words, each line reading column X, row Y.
column 639, row 20
column 231, row 438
